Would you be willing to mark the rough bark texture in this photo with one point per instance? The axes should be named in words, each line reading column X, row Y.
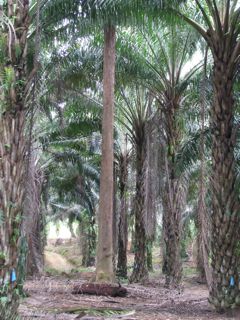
column 149, row 255
column 203, row 224
column 115, row 219
column 225, row 212
column 13, row 84
column 104, row 268
column 123, row 223
column 222, row 38
column 140, row 271
column 32, row 226
column 87, row 240
column 12, row 168
column 151, row 183
column 172, row 202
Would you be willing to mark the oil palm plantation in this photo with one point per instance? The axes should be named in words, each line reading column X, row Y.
column 168, row 82
column 107, row 14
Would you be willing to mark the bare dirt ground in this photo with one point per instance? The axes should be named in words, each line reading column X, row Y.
column 50, row 298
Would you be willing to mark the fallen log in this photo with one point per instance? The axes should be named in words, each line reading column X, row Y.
column 100, row 289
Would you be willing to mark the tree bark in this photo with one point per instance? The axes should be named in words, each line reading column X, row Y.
column 225, row 218
column 172, row 202
column 13, row 146
column 12, row 168
column 123, row 223
column 222, row 38
column 115, row 219
column 150, row 255
column 104, row 268
column 140, row 271
column 32, row 225
column 151, row 183
column 203, row 225
column 87, row 239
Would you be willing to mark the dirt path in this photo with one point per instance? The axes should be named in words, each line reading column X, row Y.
column 55, row 261
column 50, row 298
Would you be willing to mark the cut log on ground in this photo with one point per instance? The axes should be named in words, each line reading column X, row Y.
column 100, row 289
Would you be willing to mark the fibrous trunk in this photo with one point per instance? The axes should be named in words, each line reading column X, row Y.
column 13, row 87
column 123, row 223
column 150, row 255
column 140, row 271
column 173, row 201
column 203, row 225
column 225, row 204
column 12, row 175
column 87, row 240
column 151, row 184
column 32, row 226
column 104, row 268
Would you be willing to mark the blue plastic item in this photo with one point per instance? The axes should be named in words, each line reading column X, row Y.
column 232, row 282
column 13, row 277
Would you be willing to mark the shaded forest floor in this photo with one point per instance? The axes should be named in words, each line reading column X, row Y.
column 50, row 297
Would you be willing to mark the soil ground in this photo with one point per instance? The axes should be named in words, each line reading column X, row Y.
column 50, row 297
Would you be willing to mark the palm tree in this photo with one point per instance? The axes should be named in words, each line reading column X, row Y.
column 33, row 220
column 104, row 268
column 107, row 14
column 137, row 116
column 220, row 30
column 168, row 84
column 122, row 158
column 15, row 80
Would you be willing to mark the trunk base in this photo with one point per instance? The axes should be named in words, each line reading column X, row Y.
column 139, row 274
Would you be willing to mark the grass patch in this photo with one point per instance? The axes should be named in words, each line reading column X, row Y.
column 189, row 271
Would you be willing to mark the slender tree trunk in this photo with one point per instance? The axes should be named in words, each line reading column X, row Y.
column 70, row 226
column 203, row 239
column 12, row 168
column 140, row 271
column 13, row 145
column 151, row 184
column 225, row 204
column 173, row 204
column 123, row 223
column 149, row 255
column 87, row 240
column 32, row 225
column 115, row 219
column 104, row 268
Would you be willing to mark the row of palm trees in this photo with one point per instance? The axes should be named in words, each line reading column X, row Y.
column 217, row 24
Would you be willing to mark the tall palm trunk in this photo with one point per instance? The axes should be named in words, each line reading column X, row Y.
column 225, row 214
column 87, row 239
column 203, row 225
column 123, row 223
column 104, row 268
column 12, row 167
column 140, row 271
column 151, row 184
column 12, row 143
column 222, row 37
column 32, row 225
column 172, row 203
